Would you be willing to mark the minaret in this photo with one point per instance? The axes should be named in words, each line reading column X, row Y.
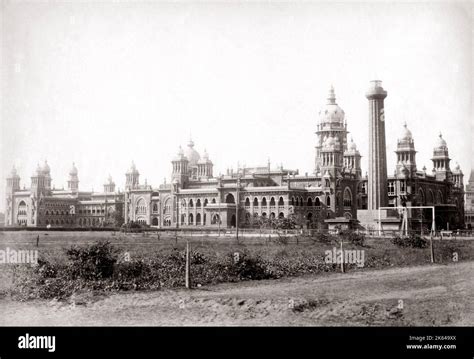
column 13, row 185
column 180, row 168
column 352, row 160
column 132, row 177
column 441, row 160
column 109, row 186
column 406, row 154
column 73, row 182
column 205, row 166
column 332, row 137
column 377, row 184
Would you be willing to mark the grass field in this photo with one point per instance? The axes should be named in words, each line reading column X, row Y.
column 321, row 295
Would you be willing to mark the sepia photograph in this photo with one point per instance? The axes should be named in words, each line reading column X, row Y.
column 237, row 164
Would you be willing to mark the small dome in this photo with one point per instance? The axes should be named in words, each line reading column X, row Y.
column 73, row 171
column 352, row 146
column 46, row 168
column 14, row 172
column 110, row 180
column 440, row 142
column 457, row 167
column 180, row 155
column 329, row 142
column 191, row 154
column 133, row 168
column 205, row 158
column 406, row 133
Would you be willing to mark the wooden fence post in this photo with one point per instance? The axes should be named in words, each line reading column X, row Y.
column 342, row 259
column 432, row 249
column 187, row 274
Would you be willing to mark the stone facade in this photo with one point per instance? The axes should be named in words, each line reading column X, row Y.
column 196, row 198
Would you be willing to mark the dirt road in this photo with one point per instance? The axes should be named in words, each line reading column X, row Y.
column 424, row 295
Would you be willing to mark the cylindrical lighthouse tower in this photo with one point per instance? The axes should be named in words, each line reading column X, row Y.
column 377, row 186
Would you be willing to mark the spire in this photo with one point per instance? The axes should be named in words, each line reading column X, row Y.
column 331, row 96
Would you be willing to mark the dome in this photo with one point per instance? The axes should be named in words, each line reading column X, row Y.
column 73, row 171
column 440, row 143
column 457, row 167
column 352, row 146
column 180, row 154
column 191, row 154
column 332, row 113
column 133, row 168
column 406, row 133
column 109, row 179
column 329, row 142
column 205, row 158
column 46, row 168
column 14, row 172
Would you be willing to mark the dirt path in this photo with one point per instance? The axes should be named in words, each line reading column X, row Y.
column 430, row 295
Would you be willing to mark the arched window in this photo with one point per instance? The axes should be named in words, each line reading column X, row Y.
column 301, row 201
column 439, row 198
column 141, row 206
column 347, row 198
column 255, row 202
column 183, row 218
column 281, row 202
column 247, row 202
column 309, row 202
column 264, row 201
column 421, row 197
column 214, row 201
column 198, row 203
column 191, row 219
column 154, row 222
column 206, row 202
column 191, row 203
column 272, row 201
column 292, row 201
column 22, row 208
column 328, row 201
column 430, row 197
column 198, row 219
column 167, row 208
column 281, row 215
column 230, row 198
column 317, row 202
column 155, row 208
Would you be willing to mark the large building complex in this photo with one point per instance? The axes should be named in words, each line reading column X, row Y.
column 333, row 193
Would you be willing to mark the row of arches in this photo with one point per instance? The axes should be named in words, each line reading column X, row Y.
column 264, row 202
column 429, row 197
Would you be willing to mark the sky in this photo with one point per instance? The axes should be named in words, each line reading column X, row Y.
column 102, row 84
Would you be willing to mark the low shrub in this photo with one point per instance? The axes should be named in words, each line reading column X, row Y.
column 353, row 237
column 92, row 262
column 412, row 241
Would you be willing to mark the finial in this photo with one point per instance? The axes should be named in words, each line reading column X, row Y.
column 331, row 96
